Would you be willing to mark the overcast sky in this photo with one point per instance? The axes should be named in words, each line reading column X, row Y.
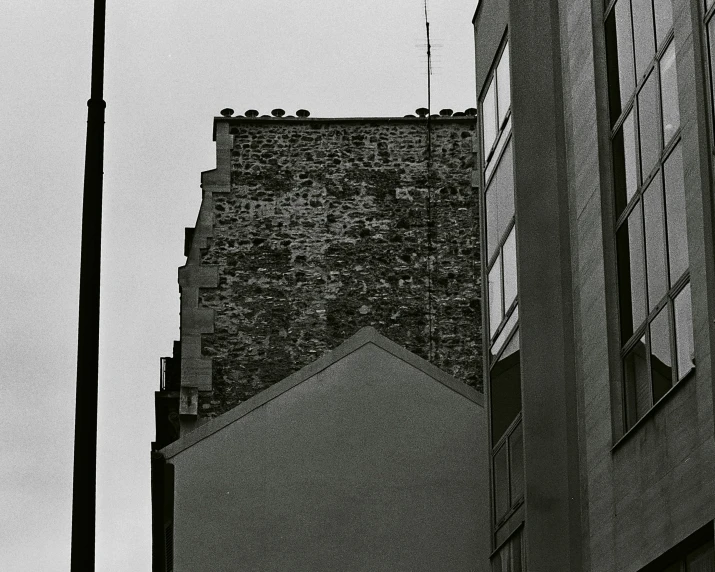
column 171, row 66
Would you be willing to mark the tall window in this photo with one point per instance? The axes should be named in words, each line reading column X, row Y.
column 709, row 6
column 503, row 316
column 654, row 294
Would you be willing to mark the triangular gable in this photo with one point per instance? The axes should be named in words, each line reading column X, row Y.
column 366, row 335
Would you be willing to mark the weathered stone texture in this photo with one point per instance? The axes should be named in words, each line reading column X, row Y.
column 328, row 227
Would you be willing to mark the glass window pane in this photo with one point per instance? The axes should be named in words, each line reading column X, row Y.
column 669, row 94
column 489, row 119
column 655, row 242
column 495, row 297
column 637, row 383
column 513, row 345
column 649, row 125
column 504, row 394
column 503, row 85
column 516, row 463
column 500, row 201
column 504, row 336
column 505, row 198
column 675, row 214
column 509, row 254
column 624, row 163
column 491, row 218
column 498, row 149
column 663, row 19
column 631, row 273
column 661, row 364
column 684, row 344
column 624, row 50
column 643, row 35
column 501, row 483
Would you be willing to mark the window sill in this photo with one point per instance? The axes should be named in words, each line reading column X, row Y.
column 652, row 411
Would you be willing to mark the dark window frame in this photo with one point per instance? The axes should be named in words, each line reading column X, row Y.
column 488, row 154
column 504, row 441
column 491, row 159
column 631, row 107
column 489, row 164
column 708, row 20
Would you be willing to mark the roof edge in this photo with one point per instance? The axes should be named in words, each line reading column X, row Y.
column 362, row 337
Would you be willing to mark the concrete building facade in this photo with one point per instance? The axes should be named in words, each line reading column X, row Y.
column 597, row 223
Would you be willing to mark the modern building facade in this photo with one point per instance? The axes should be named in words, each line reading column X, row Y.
column 596, row 178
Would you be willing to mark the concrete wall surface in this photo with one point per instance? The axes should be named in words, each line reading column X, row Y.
column 368, row 464
column 646, row 491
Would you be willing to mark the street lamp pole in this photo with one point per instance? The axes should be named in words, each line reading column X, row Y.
column 85, row 431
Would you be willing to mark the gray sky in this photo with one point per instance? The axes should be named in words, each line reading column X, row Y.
column 171, row 65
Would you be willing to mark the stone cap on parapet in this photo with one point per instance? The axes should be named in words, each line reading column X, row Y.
column 253, row 117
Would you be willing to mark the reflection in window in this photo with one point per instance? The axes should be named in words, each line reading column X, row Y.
column 643, row 35
column 649, row 197
column 649, row 123
column 489, row 118
column 495, row 297
column 504, row 335
column 669, row 94
column 621, row 68
column 624, row 163
column 661, row 364
column 496, row 104
column 684, row 333
column 663, row 19
column 509, row 258
column 675, row 215
column 500, row 201
column 655, row 243
column 503, row 87
column 631, row 272
column 637, row 382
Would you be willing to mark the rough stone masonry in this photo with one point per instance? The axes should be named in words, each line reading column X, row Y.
column 312, row 228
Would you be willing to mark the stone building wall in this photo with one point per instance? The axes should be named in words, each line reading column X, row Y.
column 323, row 226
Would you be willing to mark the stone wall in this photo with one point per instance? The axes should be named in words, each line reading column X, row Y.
column 330, row 225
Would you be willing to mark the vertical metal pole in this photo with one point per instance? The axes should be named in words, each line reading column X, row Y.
column 85, row 430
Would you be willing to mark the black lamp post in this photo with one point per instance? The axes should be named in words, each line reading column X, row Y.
column 85, row 431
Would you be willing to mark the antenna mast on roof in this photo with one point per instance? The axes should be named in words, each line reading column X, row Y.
column 429, row 185
column 429, row 65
